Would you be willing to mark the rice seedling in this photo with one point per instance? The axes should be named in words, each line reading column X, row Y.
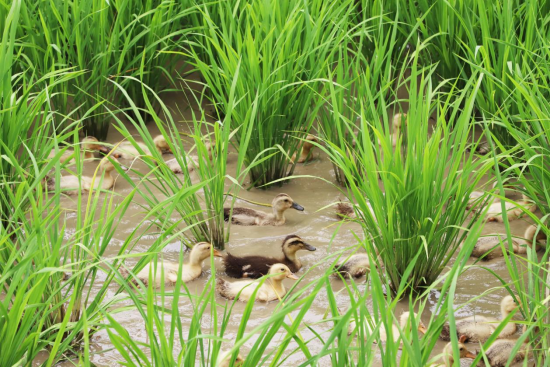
column 402, row 219
column 276, row 95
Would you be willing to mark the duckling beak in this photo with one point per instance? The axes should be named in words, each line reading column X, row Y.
column 422, row 329
column 470, row 355
column 217, row 253
column 297, row 207
column 292, row 276
column 103, row 149
column 308, row 247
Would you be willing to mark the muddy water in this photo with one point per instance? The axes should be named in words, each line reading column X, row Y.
column 314, row 225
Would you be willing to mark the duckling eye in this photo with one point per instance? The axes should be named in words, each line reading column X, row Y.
column 286, row 200
column 461, row 349
column 282, row 269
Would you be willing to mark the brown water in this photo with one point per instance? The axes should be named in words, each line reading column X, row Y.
column 313, row 225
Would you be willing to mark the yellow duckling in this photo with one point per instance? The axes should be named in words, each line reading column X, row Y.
column 305, row 151
column 494, row 213
column 404, row 323
column 224, row 358
column 189, row 271
column 356, row 266
column 251, row 217
column 490, row 246
column 70, row 185
column 480, row 328
column 89, row 145
column 500, row 351
column 271, row 290
column 448, row 357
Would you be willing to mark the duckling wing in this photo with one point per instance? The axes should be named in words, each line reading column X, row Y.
column 244, row 216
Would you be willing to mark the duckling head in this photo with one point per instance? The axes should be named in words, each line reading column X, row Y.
column 293, row 243
column 161, row 144
column 283, row 202
column 404, row 320
column 307, row 143
column 530, row 233
column 463, row 351
column 398, row 120
column 280, row 272
column 91, row 143
column 508, row 305
column 201, row 252
column 225, row 358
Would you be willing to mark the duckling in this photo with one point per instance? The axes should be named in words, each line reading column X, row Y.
column 448, row 356
column 345, row 211
column 500, row 351
column 224, row 358
column 251, row 217
column 127, row 150
column 257, row 266
column 480, row 328
column 494, row 214
column 189, row 271
column 271, row 290
column 89, row 145
column 404, row 322
column 397, row 125
column 307, row 146
column 491, row 248
column 71, row 184
column 356, row 266
column 474, row 199
column 191, row 160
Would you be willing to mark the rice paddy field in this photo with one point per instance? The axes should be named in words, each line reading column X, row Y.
column 274, row 183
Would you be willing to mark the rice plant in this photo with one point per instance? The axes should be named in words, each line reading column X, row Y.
column 421, row 208
column 250, row 48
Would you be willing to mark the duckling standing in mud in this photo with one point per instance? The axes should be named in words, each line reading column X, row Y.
column 271, row 290
column 489, row 247
column 189, row 271
column 70, row 185
column 258, row 266
column 479, row 328
column 250, row 217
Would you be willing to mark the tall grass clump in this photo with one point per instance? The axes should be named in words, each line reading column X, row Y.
column 105, row 40
column 422, row 206
column 277, row 58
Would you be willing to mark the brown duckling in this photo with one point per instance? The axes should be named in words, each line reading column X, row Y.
column 258, row 266
column 355, row 266
column 490, row 246
column 305, row 151
column 250, row 217
column 500, row 351
column 480, row 328
column 90, row 145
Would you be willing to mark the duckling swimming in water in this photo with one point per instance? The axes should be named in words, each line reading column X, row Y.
column 271, row 290
column 250, row 217
column 480, row 328
column 258, row 266
column 70, row 185
column 356, row 266
column 127, row 150
column 189, row 271
column 513, row 211
column 448, row 356
column 404, row 322
column 89, row 145
column 306, row 149
column 490, row 246
column 500, row 351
